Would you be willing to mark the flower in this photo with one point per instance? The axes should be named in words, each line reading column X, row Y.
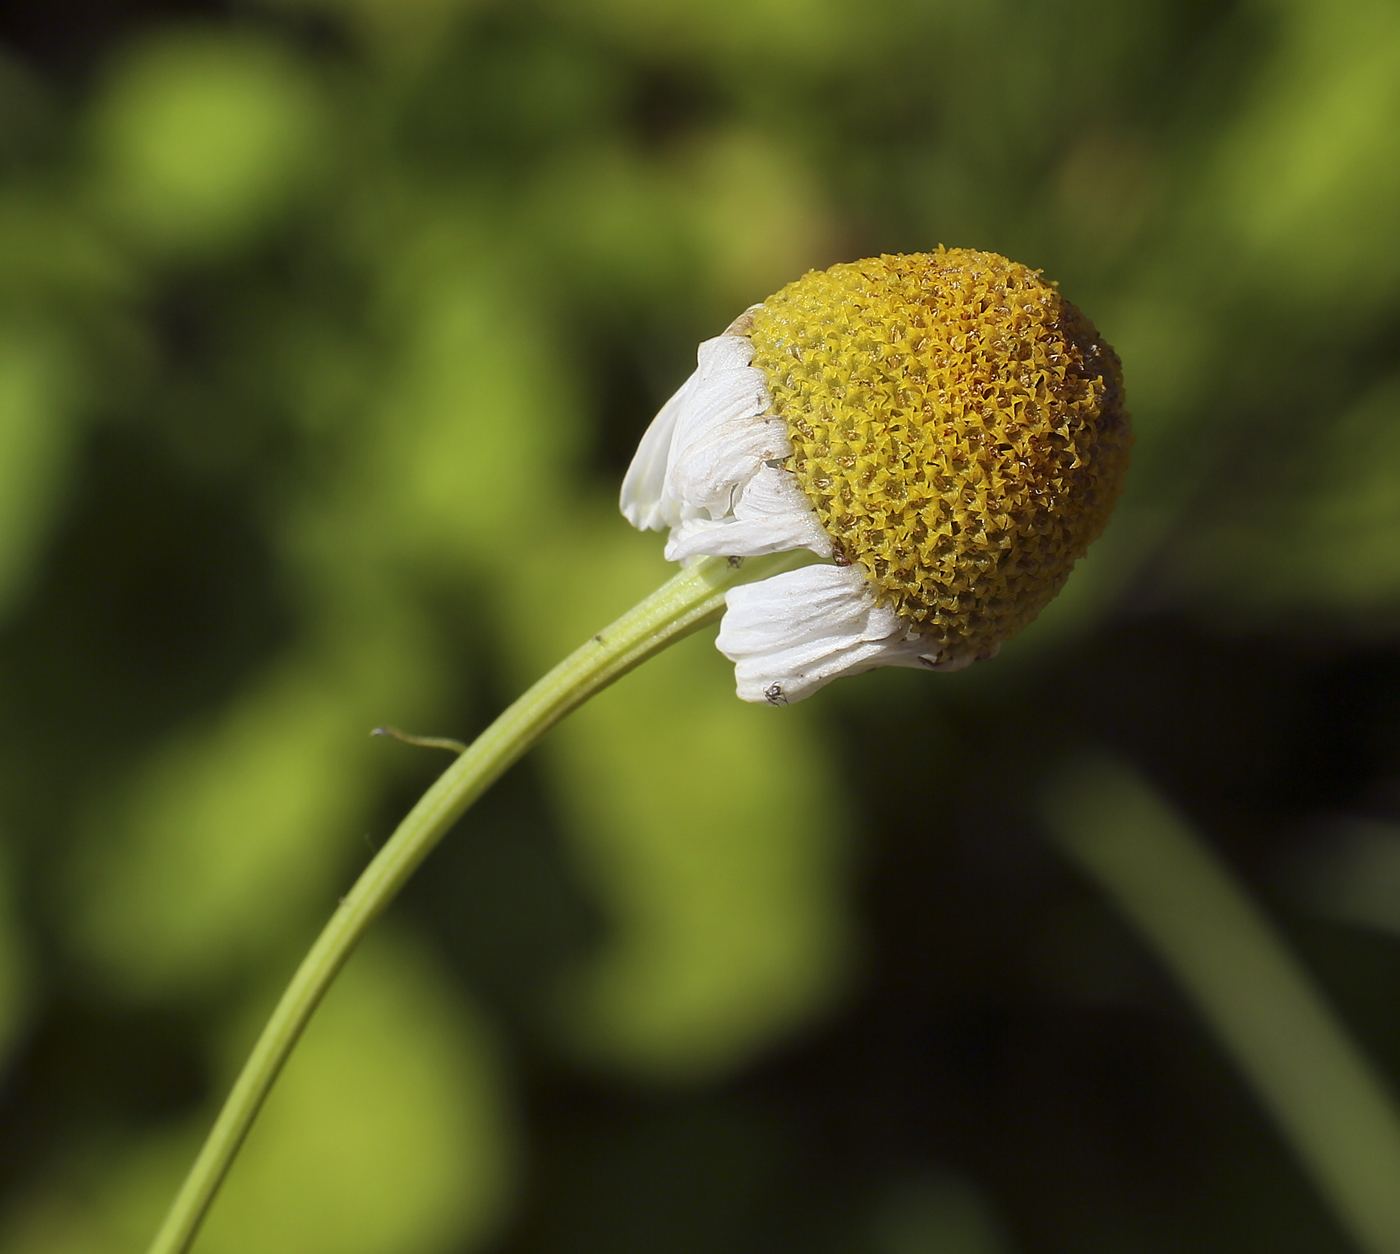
column 943, row 431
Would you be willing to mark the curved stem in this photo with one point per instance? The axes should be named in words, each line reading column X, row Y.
column 687, row 602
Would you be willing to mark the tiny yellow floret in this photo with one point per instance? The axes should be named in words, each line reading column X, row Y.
column 958, row 426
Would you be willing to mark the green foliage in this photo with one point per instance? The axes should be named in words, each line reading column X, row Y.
column 388, row 1134
column 326, row 330
column 200, row 139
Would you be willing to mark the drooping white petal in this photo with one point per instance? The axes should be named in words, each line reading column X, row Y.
column 790, row 634
column 770, row 516
column 717, row 435
column 722, row 436
column 644, row 498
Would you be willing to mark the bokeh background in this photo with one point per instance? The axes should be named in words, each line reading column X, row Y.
column 327, row 328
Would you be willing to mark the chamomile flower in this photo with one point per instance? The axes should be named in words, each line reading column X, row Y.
column 943, row 432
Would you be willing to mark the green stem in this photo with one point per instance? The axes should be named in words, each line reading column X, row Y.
column 686, row 603
column 1323, row 1094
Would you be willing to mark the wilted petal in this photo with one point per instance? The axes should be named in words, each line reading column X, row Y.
column 793, row 633
column 771, row 516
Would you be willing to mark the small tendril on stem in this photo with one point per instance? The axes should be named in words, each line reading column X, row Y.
column 423, row 742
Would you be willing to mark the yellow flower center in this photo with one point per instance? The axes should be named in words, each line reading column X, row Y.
column 957, row 424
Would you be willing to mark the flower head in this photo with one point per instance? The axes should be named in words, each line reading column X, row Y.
column 944, row 429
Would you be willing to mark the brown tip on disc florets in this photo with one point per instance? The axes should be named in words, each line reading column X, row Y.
column 958, row 426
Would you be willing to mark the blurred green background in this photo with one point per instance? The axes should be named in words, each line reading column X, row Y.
column 327, row 328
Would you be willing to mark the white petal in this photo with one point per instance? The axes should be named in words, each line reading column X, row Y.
column 791, row 634
column 722, row 436
column 770, row 516
column 645, row 503
column 706, row 442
